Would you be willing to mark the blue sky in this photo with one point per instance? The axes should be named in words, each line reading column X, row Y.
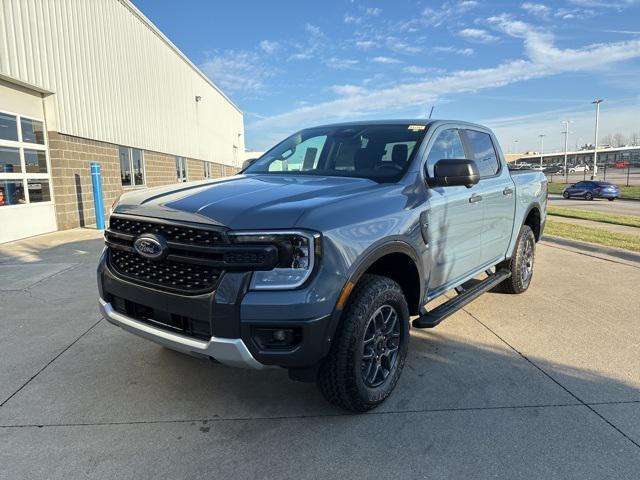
column 519, row 67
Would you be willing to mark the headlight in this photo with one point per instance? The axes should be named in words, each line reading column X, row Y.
column 298, row 252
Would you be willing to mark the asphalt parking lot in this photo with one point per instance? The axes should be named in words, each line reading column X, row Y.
column 541, row 385
column 619, row 206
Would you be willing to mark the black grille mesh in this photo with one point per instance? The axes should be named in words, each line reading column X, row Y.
column 173, row 233
column 167, row 275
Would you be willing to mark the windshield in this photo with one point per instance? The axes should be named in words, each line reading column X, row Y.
column 378, row 152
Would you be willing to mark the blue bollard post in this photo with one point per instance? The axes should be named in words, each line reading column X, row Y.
column 98, row 203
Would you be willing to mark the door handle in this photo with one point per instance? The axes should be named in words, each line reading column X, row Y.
column 475, row 198
column 507, row 191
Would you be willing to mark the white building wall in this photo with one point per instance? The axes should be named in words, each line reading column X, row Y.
column 116, row 78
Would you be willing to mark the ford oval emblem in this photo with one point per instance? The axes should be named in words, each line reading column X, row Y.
column 151, row 246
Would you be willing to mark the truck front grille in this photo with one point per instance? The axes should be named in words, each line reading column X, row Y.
column 165, row 274
column 188, row 266
column 171, row 232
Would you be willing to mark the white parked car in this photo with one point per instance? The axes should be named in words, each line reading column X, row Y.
column 579, row 168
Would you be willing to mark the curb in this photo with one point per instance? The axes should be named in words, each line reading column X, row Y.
column 592, row 248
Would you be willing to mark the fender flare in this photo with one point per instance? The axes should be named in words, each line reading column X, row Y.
column 368, row 259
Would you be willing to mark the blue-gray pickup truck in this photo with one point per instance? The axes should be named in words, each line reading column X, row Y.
column 317, row 254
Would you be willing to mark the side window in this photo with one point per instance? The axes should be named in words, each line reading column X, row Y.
column 447, row 145
column 304, row 157
column 483, row 152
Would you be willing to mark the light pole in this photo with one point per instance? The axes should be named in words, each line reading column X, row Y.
column 595, row 146
column 542, row 135
column 515, row 147
column 566, row 142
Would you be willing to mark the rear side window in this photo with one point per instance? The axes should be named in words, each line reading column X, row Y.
column 483, row 152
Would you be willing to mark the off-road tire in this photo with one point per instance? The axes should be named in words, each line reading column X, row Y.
column 520, row 278
column 340, row 378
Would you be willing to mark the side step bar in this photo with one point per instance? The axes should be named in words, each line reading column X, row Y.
column 464, row 297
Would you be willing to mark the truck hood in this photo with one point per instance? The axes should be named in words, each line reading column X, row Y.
column 243, row 201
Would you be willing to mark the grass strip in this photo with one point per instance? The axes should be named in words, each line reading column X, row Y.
column 593, row 235
column 632, row 191
column 614, row 219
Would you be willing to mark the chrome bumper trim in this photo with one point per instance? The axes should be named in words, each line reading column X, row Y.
column 228, row 351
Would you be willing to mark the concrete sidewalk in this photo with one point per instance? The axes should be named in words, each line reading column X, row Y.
column 540, row 385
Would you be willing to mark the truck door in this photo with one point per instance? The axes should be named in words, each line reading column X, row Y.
column 453, row 219
column 498, row 196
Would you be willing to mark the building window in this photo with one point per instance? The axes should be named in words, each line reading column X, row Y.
column 207, row 169
column 181, row 169
column 24, row 166
column 32, row 131
column 8, row 127
column 131, row 167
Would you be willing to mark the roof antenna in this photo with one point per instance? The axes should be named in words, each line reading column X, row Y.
column 431, row 112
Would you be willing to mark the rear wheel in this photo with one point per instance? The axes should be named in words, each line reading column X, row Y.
column 521, row 264
column 370, row 347
column 566, row 195
column 611, row 199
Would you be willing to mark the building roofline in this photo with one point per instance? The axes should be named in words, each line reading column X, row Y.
column 127, row 4
column 575, row 152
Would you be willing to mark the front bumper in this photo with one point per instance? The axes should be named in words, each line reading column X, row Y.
column 228, row 351
column 233, row 314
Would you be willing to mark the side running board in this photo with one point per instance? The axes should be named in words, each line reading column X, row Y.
column 464, row 297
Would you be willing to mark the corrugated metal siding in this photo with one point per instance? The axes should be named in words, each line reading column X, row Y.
column 114, row 78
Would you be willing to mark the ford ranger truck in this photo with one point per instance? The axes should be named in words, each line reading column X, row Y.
column 318, row 254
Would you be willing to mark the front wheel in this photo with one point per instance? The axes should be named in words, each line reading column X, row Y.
column 521, row 264
column 611, row 199
column 370, row 346
column 588, row 196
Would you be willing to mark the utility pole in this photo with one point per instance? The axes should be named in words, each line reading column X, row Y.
column 595, row 146
column 566, row 142
column 542, row 135
column 515, row 143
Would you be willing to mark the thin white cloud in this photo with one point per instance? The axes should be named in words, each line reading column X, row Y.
column 348, row 89
column 384, row 60
column 237, row 71
column 448, row 11
column 467, row 52
column 415, row 70
column 351, row 19
column 269, row 47
column 341, row 63
column 542, row 59
column 537, row 9
column 312, row 29
column 374, row 12
column 477, row 35
column 365, row 44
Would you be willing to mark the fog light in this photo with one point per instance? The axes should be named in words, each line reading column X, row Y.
column 276, row 338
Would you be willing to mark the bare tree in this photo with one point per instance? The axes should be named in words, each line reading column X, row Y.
column 619, row 140
column 607, row 140
column 634, row 138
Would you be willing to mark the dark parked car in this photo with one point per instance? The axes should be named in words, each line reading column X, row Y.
column 592, row 189
column 554, row 169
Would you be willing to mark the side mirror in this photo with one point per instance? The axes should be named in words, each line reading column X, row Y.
column 451, row 172
column 247, row 163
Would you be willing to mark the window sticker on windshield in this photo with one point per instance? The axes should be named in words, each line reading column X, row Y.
column 417, row 128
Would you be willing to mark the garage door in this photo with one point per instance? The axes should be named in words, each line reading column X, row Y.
column 26, row 195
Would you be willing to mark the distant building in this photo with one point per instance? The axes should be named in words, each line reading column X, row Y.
column 96, row 81
column 610, row 156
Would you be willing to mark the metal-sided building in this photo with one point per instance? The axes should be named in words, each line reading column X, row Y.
column 95, row 81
